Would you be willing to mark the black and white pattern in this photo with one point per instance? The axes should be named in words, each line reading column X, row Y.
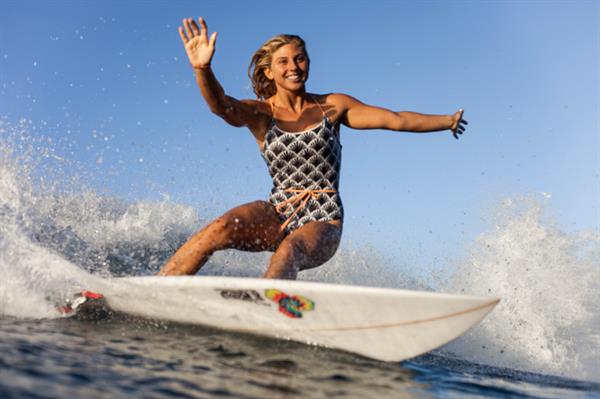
column 305, row 160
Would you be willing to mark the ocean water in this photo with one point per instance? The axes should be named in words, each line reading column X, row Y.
column 58, row 236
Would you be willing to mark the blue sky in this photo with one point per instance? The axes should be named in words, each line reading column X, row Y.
column 110, row 84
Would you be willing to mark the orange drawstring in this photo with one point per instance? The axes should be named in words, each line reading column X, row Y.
column 302, row 196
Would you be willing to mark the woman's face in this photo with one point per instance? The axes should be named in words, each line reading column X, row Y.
column 289, row 67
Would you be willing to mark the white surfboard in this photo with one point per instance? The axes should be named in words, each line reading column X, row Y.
column 384, row 324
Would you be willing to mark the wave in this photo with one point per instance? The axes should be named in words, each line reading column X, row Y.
column 549, row 318
column 58, row 236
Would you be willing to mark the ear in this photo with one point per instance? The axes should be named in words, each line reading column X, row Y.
column 268, row 73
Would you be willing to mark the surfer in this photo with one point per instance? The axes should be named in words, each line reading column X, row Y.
column 297, row 133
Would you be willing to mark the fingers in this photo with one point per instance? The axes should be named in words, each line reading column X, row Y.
column 191, row 29
column 204, row 31
column 194, row 27
column 213, row 39
column 460, row 124
column 188, row 29
column 184, row 38
column 459, row 130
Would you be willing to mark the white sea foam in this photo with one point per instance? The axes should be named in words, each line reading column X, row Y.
column 549, row 318
column 55, row 241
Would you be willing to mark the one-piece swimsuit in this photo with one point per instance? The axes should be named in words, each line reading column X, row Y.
column 305, row 168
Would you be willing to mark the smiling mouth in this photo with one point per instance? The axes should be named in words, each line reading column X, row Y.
column 294, row 78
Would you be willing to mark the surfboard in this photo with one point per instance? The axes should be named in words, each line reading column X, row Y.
column 379, row 323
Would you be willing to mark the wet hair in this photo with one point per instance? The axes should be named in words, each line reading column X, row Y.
column 262, row 58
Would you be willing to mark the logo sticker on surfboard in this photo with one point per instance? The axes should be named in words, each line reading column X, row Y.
column 242, row 295
column 290, row 305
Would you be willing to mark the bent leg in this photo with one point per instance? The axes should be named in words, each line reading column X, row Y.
column 310, row 246
column 249, row 227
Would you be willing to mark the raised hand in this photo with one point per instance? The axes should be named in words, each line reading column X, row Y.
column 458, row 123
column 198, row 47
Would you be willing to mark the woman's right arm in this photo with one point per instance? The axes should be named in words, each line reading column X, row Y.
column 200, row 50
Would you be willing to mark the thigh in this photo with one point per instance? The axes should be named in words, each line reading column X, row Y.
column 251, row 227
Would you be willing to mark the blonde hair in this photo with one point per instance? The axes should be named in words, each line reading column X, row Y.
column 262, row 58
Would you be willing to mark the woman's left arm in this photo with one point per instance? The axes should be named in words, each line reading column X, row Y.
column 357, row 115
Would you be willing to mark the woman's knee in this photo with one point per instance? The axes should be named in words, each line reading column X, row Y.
column 294, row 250
column 303, row 255
column 321, row 247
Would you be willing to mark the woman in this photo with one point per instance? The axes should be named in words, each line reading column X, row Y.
column 298, row 136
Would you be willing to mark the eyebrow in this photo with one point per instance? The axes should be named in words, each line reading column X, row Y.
column 285, row 57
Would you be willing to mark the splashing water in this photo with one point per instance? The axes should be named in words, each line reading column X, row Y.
column 55, row 241
column 549, row 317
column 58, row 237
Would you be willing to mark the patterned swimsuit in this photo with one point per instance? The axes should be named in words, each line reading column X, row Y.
column 305, row 168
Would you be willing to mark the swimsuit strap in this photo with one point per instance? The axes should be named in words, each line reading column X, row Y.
column 320, row 107
column 272, row 108
column 311, row 97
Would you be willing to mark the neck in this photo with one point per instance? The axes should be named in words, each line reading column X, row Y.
column 293, row 101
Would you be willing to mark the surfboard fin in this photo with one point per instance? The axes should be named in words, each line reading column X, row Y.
column 84, row 300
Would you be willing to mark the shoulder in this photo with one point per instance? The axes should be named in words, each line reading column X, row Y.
column 337, row 105
column 340, row 101
column 260, row 118
column 333, row 98
column 260, row 105
column 258, row 110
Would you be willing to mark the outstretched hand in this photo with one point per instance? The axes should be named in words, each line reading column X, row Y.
column 198, row 47
column 458, row 123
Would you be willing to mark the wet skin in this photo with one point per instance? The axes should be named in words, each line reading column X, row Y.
column 257, row 226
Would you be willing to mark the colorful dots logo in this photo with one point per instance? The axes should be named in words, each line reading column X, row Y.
column 290, row 305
